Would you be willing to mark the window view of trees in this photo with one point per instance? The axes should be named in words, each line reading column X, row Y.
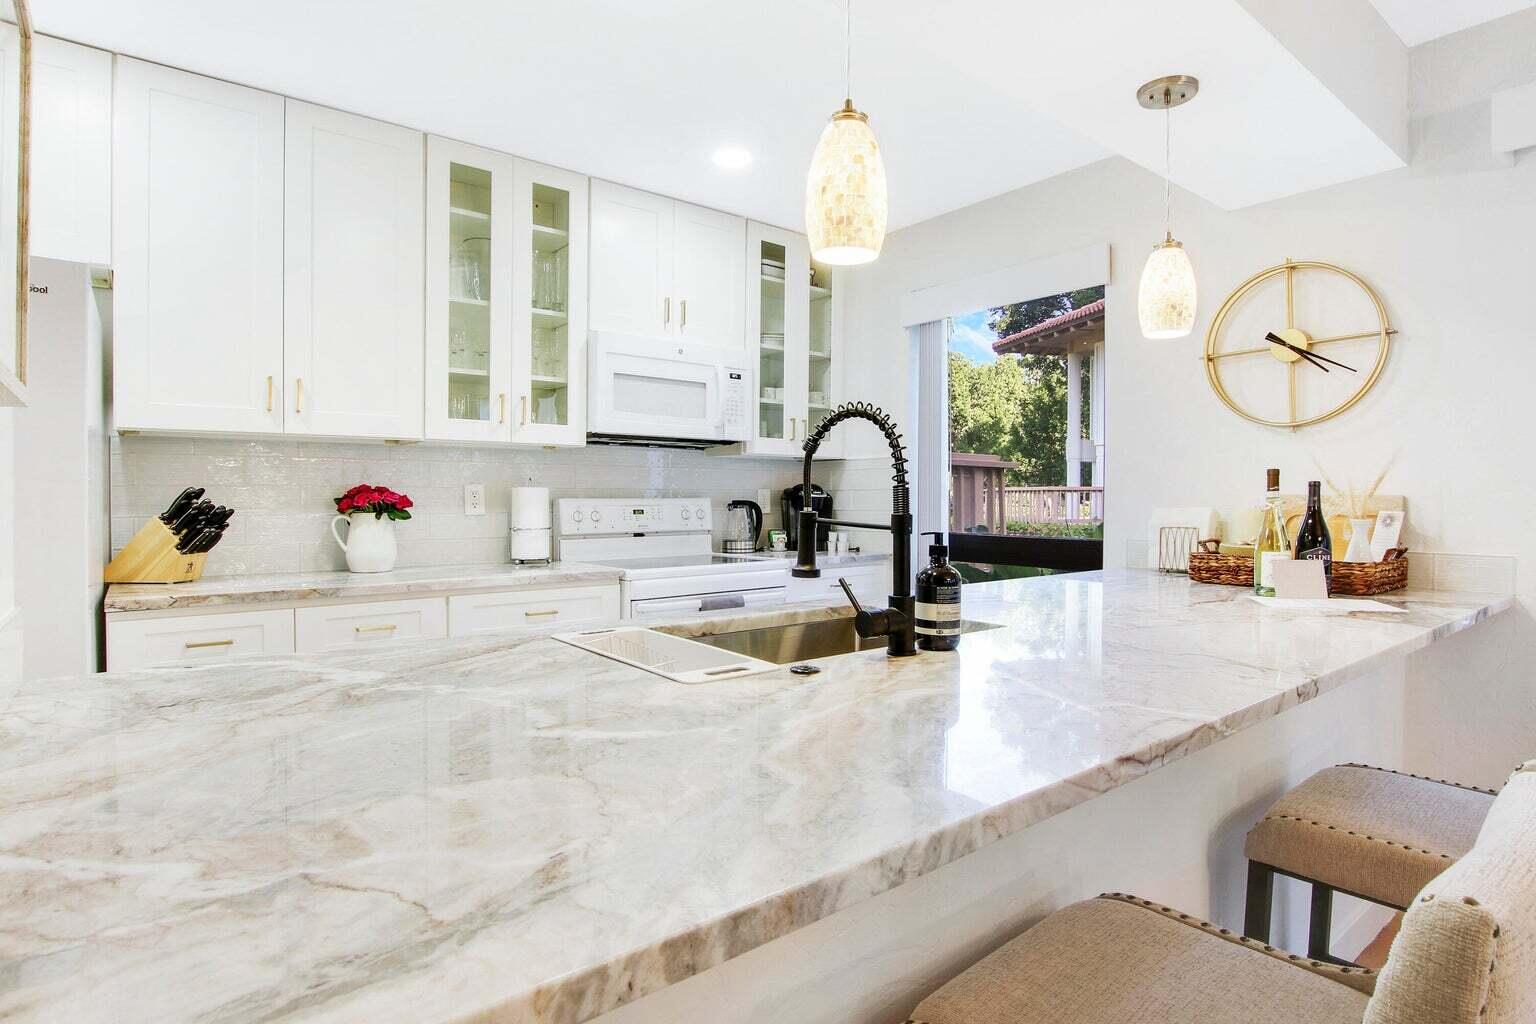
column 1015, row 406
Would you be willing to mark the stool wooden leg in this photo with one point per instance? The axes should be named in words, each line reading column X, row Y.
column 1260, row 901
column 1320, row 927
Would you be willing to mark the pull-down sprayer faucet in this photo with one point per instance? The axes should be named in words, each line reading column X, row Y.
column 896, row 622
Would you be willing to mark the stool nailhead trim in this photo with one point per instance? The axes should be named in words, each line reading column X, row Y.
column 1357, row 835
column 1421, row 778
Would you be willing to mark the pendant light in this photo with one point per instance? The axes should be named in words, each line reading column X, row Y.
column 845, row 200
column 1166, row 302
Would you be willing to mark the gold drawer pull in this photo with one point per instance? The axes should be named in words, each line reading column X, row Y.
column 684, row 321
column 269, row 392
column 194, row 645
column 298, row 394
column 377, row 629
column 537, row 615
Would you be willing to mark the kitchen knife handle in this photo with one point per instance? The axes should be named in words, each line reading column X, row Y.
column 269, row 392
column 298, row 395
column 501, row 401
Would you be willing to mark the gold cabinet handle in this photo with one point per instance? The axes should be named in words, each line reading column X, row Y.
column 683, row 320
column 269, row 392
column 522, row 413
column 390, row 628
column 502, row 404
column 539, row 615
column 791, row 428
column 298, row 394
column 195, row 645
column 666, row 310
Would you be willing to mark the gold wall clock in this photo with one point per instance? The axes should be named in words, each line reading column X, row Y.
column 1297, row 344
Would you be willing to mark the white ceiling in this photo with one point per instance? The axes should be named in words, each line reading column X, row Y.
column 969, row 98
column 1419, row 21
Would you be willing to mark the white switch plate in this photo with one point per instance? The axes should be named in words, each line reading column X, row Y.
column 474, row 499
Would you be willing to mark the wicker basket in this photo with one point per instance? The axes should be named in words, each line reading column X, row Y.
column 1350, row 579
column 1227, row 570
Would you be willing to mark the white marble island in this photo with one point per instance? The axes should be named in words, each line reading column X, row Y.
column 509, row 829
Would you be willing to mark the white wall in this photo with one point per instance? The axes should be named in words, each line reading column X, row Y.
column 1447, row 243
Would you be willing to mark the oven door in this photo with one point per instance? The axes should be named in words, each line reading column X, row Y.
column 657, row 607
column 648, row 387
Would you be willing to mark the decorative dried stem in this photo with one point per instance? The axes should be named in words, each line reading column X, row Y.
column 1355, row 502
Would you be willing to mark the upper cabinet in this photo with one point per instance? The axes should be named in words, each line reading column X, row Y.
column 197, row 253
column 792, row 331
column 549, row 301
column 506, row 298
column 353, row 268
column 13, row 387
column 662, row 268
column 71, row 182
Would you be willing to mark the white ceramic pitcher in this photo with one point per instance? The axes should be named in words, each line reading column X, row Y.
column 370, row 542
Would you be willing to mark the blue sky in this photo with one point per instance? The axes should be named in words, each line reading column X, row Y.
column 972, row 338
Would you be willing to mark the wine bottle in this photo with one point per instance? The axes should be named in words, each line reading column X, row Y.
column 1312, row 540
column 1271, row 542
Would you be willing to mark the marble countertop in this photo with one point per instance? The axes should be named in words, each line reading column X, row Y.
column 505, row 827
column 212, row 591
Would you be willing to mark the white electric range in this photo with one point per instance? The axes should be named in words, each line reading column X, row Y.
column 664, row 548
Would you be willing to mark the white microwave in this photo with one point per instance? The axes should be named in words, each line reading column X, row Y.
column 656, row 390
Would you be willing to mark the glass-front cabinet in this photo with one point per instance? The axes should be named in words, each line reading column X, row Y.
column 792, row 329
column 506, row 302
column 549, row 361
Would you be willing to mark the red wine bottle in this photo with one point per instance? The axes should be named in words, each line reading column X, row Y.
column 1312, row 540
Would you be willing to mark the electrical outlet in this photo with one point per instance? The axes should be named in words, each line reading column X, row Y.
column 474, row 499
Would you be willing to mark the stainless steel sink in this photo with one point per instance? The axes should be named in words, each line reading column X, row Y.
column 802, row 641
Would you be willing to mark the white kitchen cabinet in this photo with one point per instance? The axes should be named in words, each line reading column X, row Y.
column 549, row 299
column 662, row 268
column 176, row 639
column 366, row 623
column 531, row 609
column 70, row 215
column 197, row 249
column 354, row 335
column 469, row 390
column 13, row 387
column 792, row 334
column 707, row 268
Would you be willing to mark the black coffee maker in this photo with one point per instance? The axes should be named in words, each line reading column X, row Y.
column 793, row 503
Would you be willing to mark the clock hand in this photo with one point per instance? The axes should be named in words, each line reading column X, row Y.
column 1308, row 353
column 1303, row 353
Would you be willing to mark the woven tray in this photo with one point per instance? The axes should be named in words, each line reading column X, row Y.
column 1350, row 579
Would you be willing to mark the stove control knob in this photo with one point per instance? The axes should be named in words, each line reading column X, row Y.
column 699, row 512
column 597, row 516
column 577, row 516
column 685, row 513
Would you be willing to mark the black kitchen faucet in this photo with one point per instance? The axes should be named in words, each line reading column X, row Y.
column 896, row 622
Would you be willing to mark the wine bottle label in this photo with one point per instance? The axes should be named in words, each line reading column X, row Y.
column 1267, row 564
column 940, row 617
column 1318, row 554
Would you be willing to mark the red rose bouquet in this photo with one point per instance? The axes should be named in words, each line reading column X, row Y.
column 381, row 501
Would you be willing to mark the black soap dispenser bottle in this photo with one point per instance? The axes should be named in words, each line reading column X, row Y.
column 937, row 608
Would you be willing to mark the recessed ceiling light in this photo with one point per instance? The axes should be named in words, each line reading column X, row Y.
column 732, row 158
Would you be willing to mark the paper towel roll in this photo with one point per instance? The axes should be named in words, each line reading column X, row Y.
column 529, row 508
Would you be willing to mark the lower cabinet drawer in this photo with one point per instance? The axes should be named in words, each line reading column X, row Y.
column 568, row 606
column 188, row 638
column 870, row 582
column 373, row 622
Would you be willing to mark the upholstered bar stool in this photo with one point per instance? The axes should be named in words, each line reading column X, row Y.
column 1367, row 832
column 1466, row 955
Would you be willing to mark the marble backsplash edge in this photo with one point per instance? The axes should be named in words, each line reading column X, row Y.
column 282, row 491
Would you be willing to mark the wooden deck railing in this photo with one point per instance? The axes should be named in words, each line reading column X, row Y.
column 1053, row 504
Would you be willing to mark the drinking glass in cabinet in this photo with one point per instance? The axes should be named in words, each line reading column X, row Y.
column 548, row 289
column 464, row 276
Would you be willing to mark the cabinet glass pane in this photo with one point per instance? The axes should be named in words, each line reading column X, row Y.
column 469, row 292
column 819, row 400
column 770, row 371
column 551, row 361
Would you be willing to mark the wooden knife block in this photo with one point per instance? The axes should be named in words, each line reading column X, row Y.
column 151, row 557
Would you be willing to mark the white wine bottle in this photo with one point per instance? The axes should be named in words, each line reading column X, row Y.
column 1271, row 542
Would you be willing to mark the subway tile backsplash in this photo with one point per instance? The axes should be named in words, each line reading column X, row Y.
column 282, row 491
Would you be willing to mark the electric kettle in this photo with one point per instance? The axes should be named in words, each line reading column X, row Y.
column 743, row 524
